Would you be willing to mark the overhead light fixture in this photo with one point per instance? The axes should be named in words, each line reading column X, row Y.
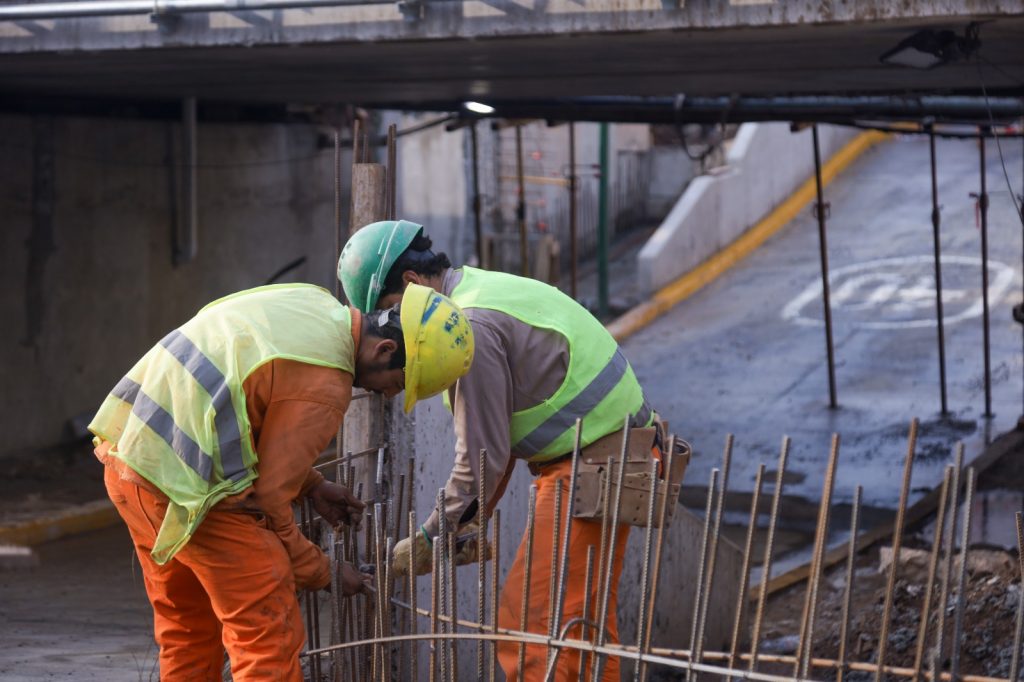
column 479, row 108
column 928, row 48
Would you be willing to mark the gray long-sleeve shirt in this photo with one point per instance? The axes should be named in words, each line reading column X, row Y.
column 515, row 367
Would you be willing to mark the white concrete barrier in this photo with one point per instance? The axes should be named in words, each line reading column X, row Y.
column 765, row 164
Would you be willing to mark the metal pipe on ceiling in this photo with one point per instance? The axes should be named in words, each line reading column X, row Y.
column 109, row 8
column 811, row 109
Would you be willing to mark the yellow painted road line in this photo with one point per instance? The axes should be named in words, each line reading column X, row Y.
column 84, row 517
column 672, row 294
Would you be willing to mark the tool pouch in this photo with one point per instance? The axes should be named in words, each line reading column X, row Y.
column 600, row 461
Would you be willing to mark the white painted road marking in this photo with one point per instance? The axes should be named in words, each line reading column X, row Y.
column 899, row 293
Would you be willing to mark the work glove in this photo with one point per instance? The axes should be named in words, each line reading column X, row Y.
column 336, row 504
column 465, row 551
column 352, row 581
column 401, row 556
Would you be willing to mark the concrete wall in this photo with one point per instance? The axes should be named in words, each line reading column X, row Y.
column 765, row 164
column 88, row 283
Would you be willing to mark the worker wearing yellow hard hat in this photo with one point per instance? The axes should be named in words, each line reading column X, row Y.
column 212, row 435
column 542, row 362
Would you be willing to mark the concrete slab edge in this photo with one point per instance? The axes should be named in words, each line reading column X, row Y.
column 79, row 519
column 693, row 281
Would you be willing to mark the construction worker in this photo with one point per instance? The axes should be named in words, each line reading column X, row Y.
column 541, row 362
column 212, row 435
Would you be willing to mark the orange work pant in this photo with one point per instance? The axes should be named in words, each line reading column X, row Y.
column 230, row 587
column 582, row 534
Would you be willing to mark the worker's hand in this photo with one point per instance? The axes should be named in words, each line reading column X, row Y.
column 466, row 551
column 336, row 504
column 402, row 555
column 353, row 582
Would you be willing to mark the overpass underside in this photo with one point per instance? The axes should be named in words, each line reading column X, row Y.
column 403, row 54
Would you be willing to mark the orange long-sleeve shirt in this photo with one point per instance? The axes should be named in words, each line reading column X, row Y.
column 294, row 409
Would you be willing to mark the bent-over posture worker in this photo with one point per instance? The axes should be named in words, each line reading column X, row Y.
column 541, row 362
column 212, row 435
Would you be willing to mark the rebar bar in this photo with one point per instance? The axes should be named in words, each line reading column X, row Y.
column 563, row 565
column 481, row 537
column 961, row 582
column 947, row 571
column 897, row 544
column 806, row 641
column 588, row 586
column 709, row 578
column 1018, row 630
column 663, row 514
column 851, row 574
column 435, row 572
column 496, row 553
column 413, row 625
column 453, row 613
column 645, row 567
column 741, row 596
column 531, row 512
column 612, row 545
column 769, row 546
column 702, row 561
column 553, row 577
column 933, row 563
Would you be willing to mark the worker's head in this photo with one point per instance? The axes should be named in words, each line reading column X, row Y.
column 422, row 345
column 382, row 259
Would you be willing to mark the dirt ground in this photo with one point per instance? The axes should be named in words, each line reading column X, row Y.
column 993, row 590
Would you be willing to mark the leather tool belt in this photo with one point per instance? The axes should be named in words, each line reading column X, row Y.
column 594, row 471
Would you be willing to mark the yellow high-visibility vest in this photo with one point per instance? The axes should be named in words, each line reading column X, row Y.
column 599, row 387
column 179, row 416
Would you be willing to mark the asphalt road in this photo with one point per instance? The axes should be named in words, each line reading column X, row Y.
column 746, row 355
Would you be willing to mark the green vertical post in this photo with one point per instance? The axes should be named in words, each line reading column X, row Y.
column 602, row 225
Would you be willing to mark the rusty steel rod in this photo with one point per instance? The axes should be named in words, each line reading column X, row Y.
column 570, row 509
column 933, row 564
column 897, row 544
column 435, row 589
column 553, row 577
column 1018, row 630
column 481, row 568
column 645, row 567
column 702, row 562
column 588, row 586
column 531, row 514
column 709, row 578
column 613, row 529
column 946, row 577
column 769, row 546
column 453, row 610
column 851, row 574
column 413, row 625
column 807, row 621
column 748, row 545
column 496, row 553
column 663, row 514
column 961, row 581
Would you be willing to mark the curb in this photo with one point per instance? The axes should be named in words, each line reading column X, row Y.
column 78, row 519
column 672, row 294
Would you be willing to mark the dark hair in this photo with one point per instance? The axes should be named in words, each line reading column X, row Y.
column 418, row 258
column 387, row 324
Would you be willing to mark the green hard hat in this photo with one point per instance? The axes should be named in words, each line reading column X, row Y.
column 368, row 256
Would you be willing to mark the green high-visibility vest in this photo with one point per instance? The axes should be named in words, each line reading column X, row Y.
column 599, row 386
column 179, row 416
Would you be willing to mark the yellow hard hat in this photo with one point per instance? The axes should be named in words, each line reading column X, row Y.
column 438, row 343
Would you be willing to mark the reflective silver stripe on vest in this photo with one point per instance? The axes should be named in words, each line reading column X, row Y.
column 642, row 416
column 211, row 379
column 579, row 407
column 162, row 423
